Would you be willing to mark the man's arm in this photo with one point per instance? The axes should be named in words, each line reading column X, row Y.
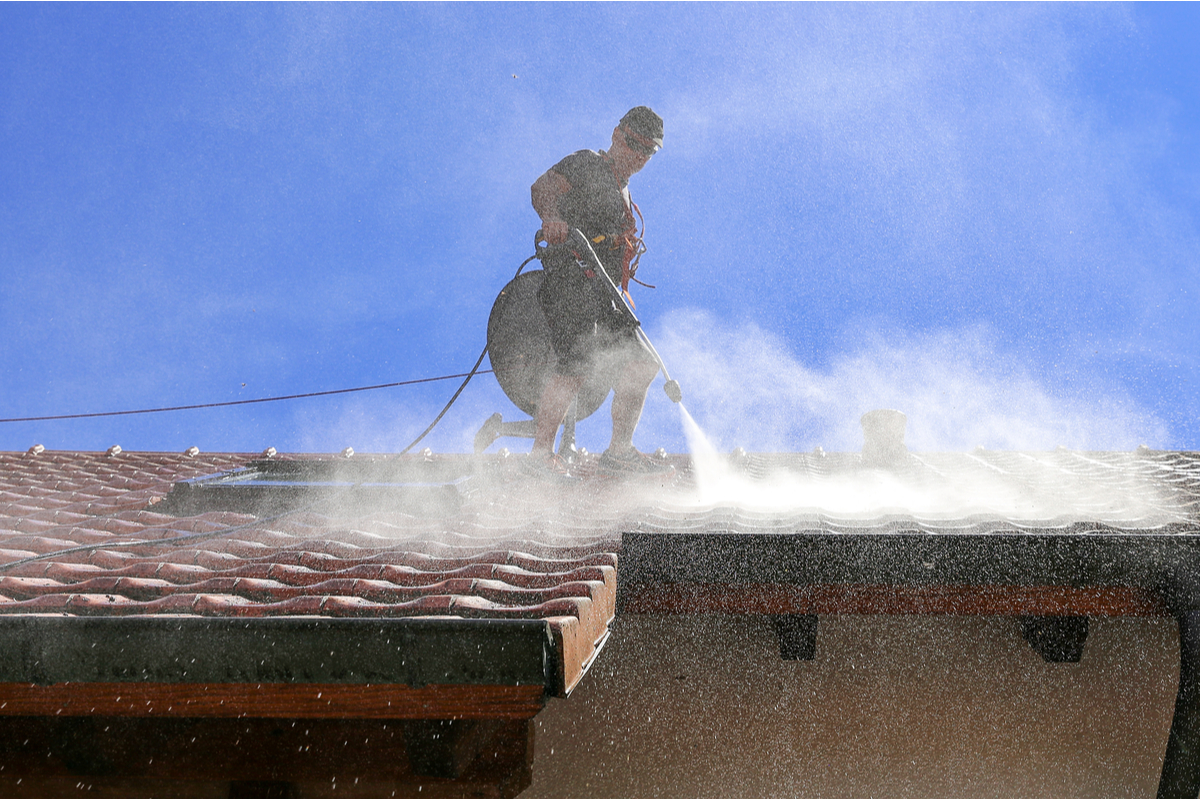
column 545, row 194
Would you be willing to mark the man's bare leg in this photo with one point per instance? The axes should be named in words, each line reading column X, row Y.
column 629, row 396
column 552, row 409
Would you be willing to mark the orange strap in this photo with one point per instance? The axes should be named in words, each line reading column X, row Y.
column 633, row 246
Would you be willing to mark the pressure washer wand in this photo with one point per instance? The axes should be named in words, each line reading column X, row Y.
column 584, row 248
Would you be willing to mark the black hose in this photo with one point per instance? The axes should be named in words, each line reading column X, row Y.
column 194, row 537
column 470, row 374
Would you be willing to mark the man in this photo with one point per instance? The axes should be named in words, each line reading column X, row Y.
column 590, row 191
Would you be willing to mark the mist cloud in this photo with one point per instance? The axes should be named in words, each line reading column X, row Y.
column 747, row 388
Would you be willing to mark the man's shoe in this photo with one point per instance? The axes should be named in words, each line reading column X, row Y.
column 550, row 467
column 631, row 463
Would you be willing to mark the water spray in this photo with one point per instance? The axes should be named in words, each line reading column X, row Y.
column 585, row 251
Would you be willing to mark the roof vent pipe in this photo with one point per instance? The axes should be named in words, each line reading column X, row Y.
column 883, row 438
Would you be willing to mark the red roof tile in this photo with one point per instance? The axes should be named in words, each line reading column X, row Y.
column 94, row 522
column 81, row 511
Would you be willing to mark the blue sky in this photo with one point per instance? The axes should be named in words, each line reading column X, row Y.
column 984, row 215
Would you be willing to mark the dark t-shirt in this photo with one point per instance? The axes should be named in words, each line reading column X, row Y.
column 596, row 203
column 582, row 317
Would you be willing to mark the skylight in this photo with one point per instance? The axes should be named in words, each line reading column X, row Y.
column 416, row 485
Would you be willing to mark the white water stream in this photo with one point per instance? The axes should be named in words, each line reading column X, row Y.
column 1046, row 492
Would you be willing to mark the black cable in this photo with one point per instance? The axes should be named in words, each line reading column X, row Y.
column 467, row 375
column 446, row 408
column 243, row 402
column 193, row 537
column 470, row 374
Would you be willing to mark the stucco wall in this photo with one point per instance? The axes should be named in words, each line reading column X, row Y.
column 894, row 706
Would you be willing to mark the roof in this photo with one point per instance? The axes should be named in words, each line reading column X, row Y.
column 78, row 531
column 118, row 536
column 239, row 588
column 986, row 532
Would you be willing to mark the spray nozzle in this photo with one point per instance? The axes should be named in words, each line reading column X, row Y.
column 673, row 391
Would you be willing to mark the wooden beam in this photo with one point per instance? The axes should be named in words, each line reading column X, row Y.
column 129, row 756
column 272, row 700
column 769, row 598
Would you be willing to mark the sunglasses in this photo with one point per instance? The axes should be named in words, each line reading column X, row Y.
column 637, row 144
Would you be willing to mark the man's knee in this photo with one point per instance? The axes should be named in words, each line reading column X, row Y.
column 638, row 374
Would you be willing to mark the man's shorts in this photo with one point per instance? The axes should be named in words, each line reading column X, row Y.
column 587, row 331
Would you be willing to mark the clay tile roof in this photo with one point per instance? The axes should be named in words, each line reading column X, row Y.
column 85, row 528
column 95, row 535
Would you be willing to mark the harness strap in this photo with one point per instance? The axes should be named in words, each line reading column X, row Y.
column 639, row 249
column 632, row 244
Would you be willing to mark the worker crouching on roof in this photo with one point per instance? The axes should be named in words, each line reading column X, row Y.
column 590, row 191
